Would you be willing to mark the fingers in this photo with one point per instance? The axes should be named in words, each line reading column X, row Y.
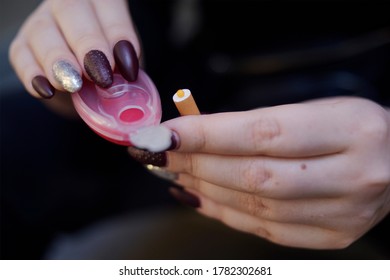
column 116, row 23
column 81, row 28
column 26, row 68
column 296, row 130
column 63, row 40
column 109, row 28
column 268, row 177
column 293, row 211
column 294, row 235
column 120, row 33
column 50, row 49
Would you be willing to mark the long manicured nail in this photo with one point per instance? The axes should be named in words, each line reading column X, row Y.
column 185, row 197
column 43, row 87
column 98, row 68
column 67, row 76
column 126, row 60
column 175, row 141
column 146, row 157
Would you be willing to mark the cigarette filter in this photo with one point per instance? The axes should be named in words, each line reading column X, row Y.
column 185, row 102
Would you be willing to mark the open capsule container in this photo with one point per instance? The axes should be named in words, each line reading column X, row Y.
column 117, row 112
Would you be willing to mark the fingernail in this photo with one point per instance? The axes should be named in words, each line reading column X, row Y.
column 43, row 87
column 161, row 172
column 126, row 60
column 154, row 139
column 98, row 68
column 146, row 157
column 67, row 76
column 175, row 141
column 185, row 197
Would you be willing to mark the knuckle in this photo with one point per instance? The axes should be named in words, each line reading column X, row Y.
column 358, row 223
column 273, row 236
column 254, row 205
column 201, row 140
column 341, row 241
column 376, row 180
column 263, row 232
column 197, row 184
column 263, row 132
column 373, row 124
column 87, row 39
column 38, row 23
column 119, row 30
column 342, row 238
column 382, row 176
column 254, row 176
column 60, row 6
column 190, row 164
column 366, row 216
column 375, row 129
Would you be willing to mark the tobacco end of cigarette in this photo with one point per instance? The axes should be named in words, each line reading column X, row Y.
column 180, row 93
column 185, row 102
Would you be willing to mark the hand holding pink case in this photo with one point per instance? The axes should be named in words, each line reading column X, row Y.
column 121, row 110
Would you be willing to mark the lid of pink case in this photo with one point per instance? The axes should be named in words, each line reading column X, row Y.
column 121, row 110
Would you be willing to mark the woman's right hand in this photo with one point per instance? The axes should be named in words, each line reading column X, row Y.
column 61, row 41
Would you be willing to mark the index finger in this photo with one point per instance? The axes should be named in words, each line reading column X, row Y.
column 296, row 130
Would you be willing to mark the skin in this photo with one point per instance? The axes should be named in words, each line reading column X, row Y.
column 57, row 30
column 311, row 175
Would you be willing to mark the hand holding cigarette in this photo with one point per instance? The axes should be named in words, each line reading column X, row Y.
column 292, row 174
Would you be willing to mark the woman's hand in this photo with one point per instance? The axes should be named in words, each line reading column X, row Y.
column 314, row 175
column 62, row 41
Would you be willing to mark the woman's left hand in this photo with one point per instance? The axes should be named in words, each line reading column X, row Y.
column 310, row 175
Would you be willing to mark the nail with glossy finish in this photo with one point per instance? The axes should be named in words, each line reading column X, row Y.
column 146, row 157
column 67, row 76
column 185, row 197
column 126, row 60
column 175, row 141
column 98, row 68
column 43, row 87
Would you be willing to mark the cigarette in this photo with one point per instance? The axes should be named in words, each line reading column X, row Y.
column 185, row 103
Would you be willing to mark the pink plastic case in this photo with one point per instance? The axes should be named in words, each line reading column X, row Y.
column 120, row 110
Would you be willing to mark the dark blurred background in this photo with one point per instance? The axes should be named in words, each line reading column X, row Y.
column 68, row 194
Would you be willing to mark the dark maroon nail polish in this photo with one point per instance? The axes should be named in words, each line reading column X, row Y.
column 185, row 197
column 146, row 157
column 175, row 141
column 98, row 68
column 126, row 60
column 43, row 87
